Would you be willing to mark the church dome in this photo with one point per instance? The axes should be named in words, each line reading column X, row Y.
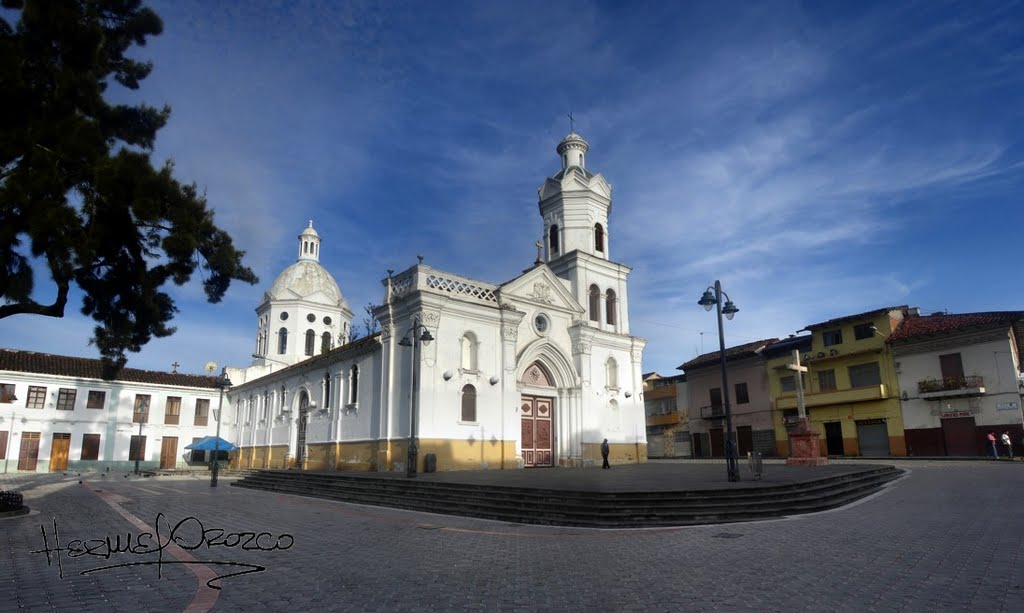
column 304, row 279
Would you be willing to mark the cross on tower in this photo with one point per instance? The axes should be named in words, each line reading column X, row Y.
column 175, row 367
column 540, row 245
column 572, row 123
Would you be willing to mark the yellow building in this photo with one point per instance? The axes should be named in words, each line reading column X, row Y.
column 850, row 388
column 667, row 422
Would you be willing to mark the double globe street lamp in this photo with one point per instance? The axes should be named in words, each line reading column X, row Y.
column 713, row 298
column 413, row 338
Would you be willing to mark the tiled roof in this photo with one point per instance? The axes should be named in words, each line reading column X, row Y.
column 733, row 353
column 88, row 368
column 941, row 323
column 837, row 320
column 358, row 346
column 787, row 345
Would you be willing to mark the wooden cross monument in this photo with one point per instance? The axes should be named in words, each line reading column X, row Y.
column 804, row 444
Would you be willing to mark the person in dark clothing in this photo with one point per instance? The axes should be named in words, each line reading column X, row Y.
column 604, row 454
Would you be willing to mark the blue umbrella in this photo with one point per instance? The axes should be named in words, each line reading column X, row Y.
column 211, row 443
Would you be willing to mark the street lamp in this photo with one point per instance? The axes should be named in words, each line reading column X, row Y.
column 707, row 301
column 417, row 337
column 222, row 383
column 143, row 416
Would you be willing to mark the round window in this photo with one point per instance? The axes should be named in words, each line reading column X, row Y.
column 540, row 324
column 284, row 316
column 327, row 321
column 311, row 318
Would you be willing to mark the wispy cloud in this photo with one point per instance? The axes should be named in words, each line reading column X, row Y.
column 818, row 159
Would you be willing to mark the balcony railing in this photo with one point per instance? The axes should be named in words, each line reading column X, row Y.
column 866, row 393
column 950, row 384
column 716, row 411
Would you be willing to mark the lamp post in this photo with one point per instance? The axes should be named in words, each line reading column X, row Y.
column 223, row 382
column 417, row 338
column 139, row 447
column 10, row 431
column 708, row 300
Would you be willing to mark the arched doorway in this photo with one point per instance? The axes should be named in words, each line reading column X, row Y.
column 536, row 418
column 300, row 443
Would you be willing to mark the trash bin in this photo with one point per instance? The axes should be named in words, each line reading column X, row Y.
column 430, row 463
column 756, row 464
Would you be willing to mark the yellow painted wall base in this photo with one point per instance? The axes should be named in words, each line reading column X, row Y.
column 618, row 453
column 460, row 454
column 392, row 455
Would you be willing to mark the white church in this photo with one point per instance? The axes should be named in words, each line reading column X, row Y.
column 534, row 372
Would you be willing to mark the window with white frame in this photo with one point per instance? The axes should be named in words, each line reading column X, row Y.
column 36, row 397
column 96, row 399
column 66, row 399
column 612, row 373
column 469, row 351
column 468, row 403
column 353, row 385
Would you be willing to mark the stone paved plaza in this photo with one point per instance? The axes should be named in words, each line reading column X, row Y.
column 949, row 536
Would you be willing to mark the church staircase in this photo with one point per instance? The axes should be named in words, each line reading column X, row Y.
column 596, row 509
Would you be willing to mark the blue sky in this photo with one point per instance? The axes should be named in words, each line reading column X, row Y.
column 820, row 158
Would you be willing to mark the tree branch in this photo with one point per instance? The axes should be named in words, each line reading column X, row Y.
column 31, row 307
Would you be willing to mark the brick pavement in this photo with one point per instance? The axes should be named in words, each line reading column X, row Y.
column 948, row 537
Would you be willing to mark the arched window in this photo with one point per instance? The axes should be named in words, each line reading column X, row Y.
column 353, row 385
column 468, row 403
column 325, row 342
column 598, row 238
column 469, row 351
column 595, row 303
column 609, row 308
column 310, row 341
column 553, row 240
column 282, row 341
column 327, row 390
column 612, row 376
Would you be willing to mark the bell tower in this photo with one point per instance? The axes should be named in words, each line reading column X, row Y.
column 574, row 206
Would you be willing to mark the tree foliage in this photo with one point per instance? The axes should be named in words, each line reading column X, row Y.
column 77, row 188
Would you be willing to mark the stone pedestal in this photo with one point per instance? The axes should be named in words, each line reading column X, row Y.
column 805, row 447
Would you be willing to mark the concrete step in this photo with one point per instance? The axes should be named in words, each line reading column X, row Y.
column 578, row 508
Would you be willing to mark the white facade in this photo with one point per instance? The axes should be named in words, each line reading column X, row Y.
column 53, row 422
column 303, row 312
column 990, row 356
column 533, row 372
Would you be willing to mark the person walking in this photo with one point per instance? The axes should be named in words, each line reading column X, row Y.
column 1008, row 444
column 604, row 454
column 992, row 445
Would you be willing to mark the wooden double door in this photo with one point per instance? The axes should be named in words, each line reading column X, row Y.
column 59, row 451
column 169, row 452
column 28, row 455
column 537, row 434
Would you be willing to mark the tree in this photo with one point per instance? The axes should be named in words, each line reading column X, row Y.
column 370, row 324
column 77, row 189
